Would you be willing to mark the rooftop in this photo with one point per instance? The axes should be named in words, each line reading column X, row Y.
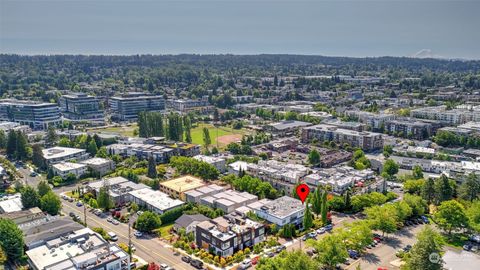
column 67, row 166
column 96, row 161
column 11, row 204
column 60, row 152
column 282, row 207
column 288, row 124
column 156, row 198
column 183, row 183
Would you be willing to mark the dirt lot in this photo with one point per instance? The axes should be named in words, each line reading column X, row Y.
column 226, row 139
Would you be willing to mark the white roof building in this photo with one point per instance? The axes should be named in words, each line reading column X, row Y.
column 154, row 200
column 11, row 204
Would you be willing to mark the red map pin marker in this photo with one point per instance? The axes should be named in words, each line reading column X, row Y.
column 302, row 192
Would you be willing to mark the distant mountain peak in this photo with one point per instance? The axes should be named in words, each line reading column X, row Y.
column 426, row 53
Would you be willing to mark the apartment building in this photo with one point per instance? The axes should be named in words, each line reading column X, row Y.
column 219, row 163
column 410, row 128
column 223, row 236
column 450, row 117
column 281, row 211
column 339, row 179
column 58, row 154
column 63, row 169
column 177, row 187
column 80, row 249
column 100, row 166
column 161, row 153
column 282, row 176
column 285, row 128
column 36, row 115
column 189, row 105
column 373, row 120
column 127, row 107
column 365, row 140
column 81, row 107
column 154, row 200
column 118, row 188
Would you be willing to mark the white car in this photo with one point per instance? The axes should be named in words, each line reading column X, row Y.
column 115, row 222
column 110, row 219
column 245, row 264
column 138, row 234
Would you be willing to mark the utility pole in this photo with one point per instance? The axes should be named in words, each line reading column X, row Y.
column 85, row 214
column 129, row 242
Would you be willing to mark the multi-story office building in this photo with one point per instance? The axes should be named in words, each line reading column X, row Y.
column 364, row 140
column 80, row 106
column 223, row 236
column 37, row 115
column 127, row 107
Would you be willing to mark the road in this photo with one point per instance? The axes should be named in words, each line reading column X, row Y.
column 383, row 254
column 27, row 179
column 150, row 249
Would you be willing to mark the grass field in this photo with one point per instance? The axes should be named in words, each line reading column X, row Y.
column 122, row 130
column 165, row 231
column 224, row 133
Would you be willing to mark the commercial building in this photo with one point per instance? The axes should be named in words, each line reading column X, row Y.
column 81, row 249
column 154, row 200
column 281, row 211
column 365, row 140
column 285, row 128
column 217, row 162
column 63, row 169
column 223, row 236
column 127, row 107
column 81, row 107
column 12, row 203
column 36, row 115
column 177, row 187
column 58, row 154
column 100, row 166
column 160, row 153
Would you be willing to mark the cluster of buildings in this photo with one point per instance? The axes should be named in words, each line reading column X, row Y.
column 340, row 179
column 450, row 117
column 364, row 140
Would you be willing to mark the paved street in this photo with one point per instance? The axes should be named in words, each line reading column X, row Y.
column 150, row 249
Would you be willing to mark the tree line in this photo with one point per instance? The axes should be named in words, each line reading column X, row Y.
column 173, row 126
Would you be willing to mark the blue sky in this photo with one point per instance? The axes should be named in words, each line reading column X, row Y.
column 449, row 28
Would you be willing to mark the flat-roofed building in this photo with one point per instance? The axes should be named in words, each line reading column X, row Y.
column 23, row 216
column 177, row 187
column 282, row 211
column 100, row 166
column 217, row 162
column 365, row 140
column 194, row 196
column 12, row 203
column 285, row 128
column 36, row 115
column 81, row 249
column 127, row 107
column 189, row 105
column 81, row 107
column 154, row 200
column 58, row 154
column 63, row 169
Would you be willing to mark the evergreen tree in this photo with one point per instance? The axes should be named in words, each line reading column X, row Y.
column 428, row 242
column 348, row 200
column 307, row 218
column 3, row 139
column 92, row 147
column 30, row 197
column 11, row 144
column 50, row 203
column 206, row 137
column 103, row 198
column 470, row 188
column 37, row 156
column 152, row 168
column 324, row 207
column 314, row 157
column 317, row 202
column 98, row 141
column 51, row 137
column 21, row 151
column 428, row 191
column 443, row 189
column 43, row 188
column 11, row 240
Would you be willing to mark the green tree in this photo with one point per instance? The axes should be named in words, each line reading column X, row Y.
column 294, row 260
column 451, row 216
column 443, row 189
column 93, row 203
column 30, row 197
column 206, row 137
column 51, row 203
column 314, row 157
column 428, row 242
column 11, row 239
column 152, row 168
column 37, row 156
column 331, row 250
column 3, row 139
column 324, row 212
column 416, row 203
column 307, row 218
column 11, row 143
column 390, row 168
column 428, row 191
column 317, row 201
column 417, row 172
column 473, row 214
column 21, row 150
column 382, row 219
column 102, row 152
column 51, row 137
column 470, row 188
column 103, row 198
column 356, row 235
column 148, row 222
column 64, row 142
column 92, row 148
column 43, row 188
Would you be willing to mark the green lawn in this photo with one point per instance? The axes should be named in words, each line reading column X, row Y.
column 122, row 130
column 165, row 231
column 197, row 133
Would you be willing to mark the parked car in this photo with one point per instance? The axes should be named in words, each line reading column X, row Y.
column 407, row 248
column 163, row 266
column 33, row 174
column 321, row 231
column 280, row 248
column 71, row 214
column 79, row 204
column 71, row 199
column 113, row 236
column 109, row 219
column 474, row 249
column 197, row 264
column 353, row 254
column 245, row 264
column 186, row 259
column 467, row 247
column 425, row 219
column 138, row 234
column 329, row 227
column 269, row 254
column 115, row 222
